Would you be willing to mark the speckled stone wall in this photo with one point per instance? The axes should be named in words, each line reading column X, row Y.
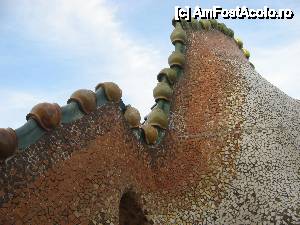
column 231, row 155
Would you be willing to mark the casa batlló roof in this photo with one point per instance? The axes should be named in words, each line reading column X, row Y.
column 220, row 146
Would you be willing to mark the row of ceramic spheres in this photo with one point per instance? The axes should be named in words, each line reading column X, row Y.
column 212, row 24
column 48, row 115
column 157, row 118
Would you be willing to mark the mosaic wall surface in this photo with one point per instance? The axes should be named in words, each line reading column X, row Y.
column 231, row 155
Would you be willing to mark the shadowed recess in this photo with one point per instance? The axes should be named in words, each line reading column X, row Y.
column 130, row 210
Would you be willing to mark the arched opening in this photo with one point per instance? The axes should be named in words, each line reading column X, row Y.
column 130, row 210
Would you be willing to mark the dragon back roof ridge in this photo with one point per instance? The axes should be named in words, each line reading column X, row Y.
column 220, row 146
column 45, row 117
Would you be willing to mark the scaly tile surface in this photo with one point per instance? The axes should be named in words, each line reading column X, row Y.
column 231, row 155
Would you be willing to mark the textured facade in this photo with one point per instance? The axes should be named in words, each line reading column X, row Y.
column 230, row 153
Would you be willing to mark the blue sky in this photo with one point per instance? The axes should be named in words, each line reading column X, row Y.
column 48, row 49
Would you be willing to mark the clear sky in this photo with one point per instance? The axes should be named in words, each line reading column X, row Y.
column 49, row 49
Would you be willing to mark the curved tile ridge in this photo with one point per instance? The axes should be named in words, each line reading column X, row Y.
column 158, row 117
column 45, row 117
column 201, row 24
